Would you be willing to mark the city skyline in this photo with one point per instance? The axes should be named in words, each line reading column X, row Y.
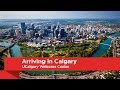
column 59, row 14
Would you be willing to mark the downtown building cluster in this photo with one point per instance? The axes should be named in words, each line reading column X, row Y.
column 43, row 35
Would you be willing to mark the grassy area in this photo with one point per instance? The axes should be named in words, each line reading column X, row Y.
column 67, row 50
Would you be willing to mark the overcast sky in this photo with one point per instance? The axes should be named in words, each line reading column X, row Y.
column 58, row 14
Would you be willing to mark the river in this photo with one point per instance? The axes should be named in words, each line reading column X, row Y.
column 15, row 50
column 103, row 48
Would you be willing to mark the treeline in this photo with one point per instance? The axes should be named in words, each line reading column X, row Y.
column 83, row 51
column 108, row 53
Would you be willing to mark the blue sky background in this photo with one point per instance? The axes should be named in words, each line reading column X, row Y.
column 58, row 14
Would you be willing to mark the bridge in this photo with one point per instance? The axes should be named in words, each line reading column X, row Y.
column 1, row 52
column 105, row 44
column 14, row 42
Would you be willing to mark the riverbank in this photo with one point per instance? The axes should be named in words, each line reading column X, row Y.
column 102, row 48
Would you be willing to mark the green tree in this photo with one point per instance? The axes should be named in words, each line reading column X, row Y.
column 45, row 54
column 37, row 54
column 115, row 73
column 108, row 76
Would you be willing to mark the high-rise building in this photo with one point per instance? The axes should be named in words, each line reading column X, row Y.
column 28, row 34
column 23, row 27
column 49, row 27
column 17, row 32
column 45, row 33
column 56, row 33
column 53, row 30
column 12, row 32
column 40, row 34
column 116, row 47
column 32, row 26
column 58, row 25
column 62, row 33
column 31, row 33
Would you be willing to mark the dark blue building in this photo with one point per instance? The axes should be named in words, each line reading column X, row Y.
column 49, row 27
column 46, row 32
column 62, row 33
column 23, row 27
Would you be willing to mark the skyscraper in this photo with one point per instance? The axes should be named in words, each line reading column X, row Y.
column 45, row 33
column 56, row 33
column 31, row 33
column 28, row 33
column 32, row 26
column 62, row 33
column 23, row 27
column 40, row 34
column 17, row 32
column 53, row 30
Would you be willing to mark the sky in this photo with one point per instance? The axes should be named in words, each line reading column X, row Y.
column 58, row 14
